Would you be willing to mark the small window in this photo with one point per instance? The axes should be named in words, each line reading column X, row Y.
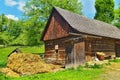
column 56, row 48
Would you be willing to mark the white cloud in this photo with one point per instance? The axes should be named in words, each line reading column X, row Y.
column 10, row 2
column 12, row 17
column 20, row 4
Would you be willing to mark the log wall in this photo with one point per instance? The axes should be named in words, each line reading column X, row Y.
column 55, row 51
column 94, row 45
column 70, row 52
column 117, row 48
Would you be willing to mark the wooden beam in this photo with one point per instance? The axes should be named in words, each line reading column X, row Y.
column 73, row 39
column 75, row 34
column 94, row 36
column 85, row 35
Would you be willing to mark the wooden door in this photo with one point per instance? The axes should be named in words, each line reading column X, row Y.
column 79, row 53
column 69, row 56
column 75, row 54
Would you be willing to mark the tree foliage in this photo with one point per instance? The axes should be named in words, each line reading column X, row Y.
column 29, row 30
column 9, row 30
column 38, row 11
column 104, row 10
column 116, row 21
column 3, row 22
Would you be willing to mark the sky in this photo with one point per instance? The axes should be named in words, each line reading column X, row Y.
column 14, row 8
column 89, row 9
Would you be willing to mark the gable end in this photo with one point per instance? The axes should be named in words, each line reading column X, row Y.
column 56, row 27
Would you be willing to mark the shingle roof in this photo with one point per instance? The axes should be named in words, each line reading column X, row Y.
column 89, row 26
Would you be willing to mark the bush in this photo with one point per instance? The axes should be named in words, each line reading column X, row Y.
column 87, row 65
column 97, row 66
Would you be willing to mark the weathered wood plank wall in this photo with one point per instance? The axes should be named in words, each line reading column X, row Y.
column 52, row 55
column 94, row 45
column 57, row 28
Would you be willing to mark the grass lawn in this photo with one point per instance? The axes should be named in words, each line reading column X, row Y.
column 69, row 74
column 4, row 52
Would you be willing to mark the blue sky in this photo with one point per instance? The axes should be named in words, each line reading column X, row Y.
column 14, row 8
column 89, row 9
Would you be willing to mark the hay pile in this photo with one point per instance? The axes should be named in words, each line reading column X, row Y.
column 27, row 64
column 9, row 72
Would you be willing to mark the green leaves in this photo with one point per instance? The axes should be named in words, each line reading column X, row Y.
column 104, row 10
column 116, row 20
column 38, row 12
column 29, row 30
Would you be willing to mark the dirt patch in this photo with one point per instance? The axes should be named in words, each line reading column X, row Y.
column 26, row 64
column 111, row 72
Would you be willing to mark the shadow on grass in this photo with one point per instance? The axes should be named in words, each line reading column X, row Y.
column 3, row 77
column 2, row 65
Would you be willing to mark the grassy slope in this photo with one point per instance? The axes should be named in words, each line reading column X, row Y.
column 69, row 74
column 4, row 52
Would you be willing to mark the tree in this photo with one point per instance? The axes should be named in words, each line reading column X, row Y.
column 116, row 21
column 14, row 28
column 9, row 30
column 42, row 8
column 104, row 10
column 3, row 22
column 38, row 11
column 4, row 40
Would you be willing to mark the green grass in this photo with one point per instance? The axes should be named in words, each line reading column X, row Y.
column 4, row 52
column 114, row 60
column 69, row 74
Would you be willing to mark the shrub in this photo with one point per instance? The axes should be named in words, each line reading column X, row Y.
column 87, row 65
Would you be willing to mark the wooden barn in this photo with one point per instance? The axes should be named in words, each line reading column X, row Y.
column 71, row 39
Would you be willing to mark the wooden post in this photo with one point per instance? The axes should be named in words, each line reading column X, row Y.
column 75, row 64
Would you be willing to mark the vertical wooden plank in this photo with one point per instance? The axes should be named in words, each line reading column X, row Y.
column 69, row 56
column 57, row 28
column 79, row 53
column 88, row 51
